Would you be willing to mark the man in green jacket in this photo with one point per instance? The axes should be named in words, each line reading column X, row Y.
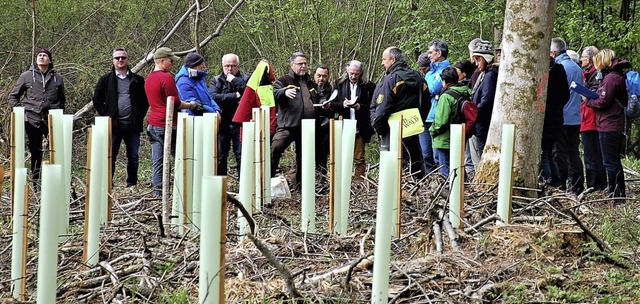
column 445, row 112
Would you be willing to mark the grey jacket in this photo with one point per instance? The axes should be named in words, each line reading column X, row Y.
column 43, row 92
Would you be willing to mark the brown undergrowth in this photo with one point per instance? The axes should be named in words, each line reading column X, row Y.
column 544, row 255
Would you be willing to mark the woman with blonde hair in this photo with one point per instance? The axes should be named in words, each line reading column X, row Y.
column 610, row 116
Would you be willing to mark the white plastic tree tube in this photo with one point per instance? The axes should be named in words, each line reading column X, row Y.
column 103, row 122
column 95, row 202
column 48, row 237
column 266, row 143
column 57, row 156
column 348, row 143
column 382, row 250
column 178, row 172
column 394, row 146
column 210, row 136
column 505, row 178
column 19, row 242
column 337, row 178
column 247, row 172
column 308, row 187
column 67, row 130
column 17, row 142
column 187, row 206
column 212, row 240
column 456, row 175
column 259, row 157
column 199, row 142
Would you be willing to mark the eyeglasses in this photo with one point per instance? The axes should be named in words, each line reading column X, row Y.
column 120, row 58
column 230, row 66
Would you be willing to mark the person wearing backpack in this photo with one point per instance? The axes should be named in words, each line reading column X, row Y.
column 447, row 112
column 610, row 117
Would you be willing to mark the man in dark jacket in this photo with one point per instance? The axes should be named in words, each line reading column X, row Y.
column 321, row 78
column 401, row 89
column 295, row 95
column 227, row 89
column 120, row 95
column 557, row 98
column 44, row 89
column 352, row 102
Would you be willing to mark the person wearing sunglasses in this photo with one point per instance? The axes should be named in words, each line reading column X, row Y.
column 120, row 95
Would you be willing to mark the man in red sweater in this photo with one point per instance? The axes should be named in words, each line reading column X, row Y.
column 158, row 86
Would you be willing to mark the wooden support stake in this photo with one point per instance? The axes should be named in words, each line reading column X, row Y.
column 166, row 169
column 85, row 238
column 12, row 156
column 52, row 151
column 332, row 173
column 399, row 189
column 223, row 237
column 25, row 227
column 110, row 171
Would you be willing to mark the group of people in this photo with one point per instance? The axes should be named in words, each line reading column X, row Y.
column 434, row 91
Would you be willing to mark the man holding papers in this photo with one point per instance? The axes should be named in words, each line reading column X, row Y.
column 402, row 89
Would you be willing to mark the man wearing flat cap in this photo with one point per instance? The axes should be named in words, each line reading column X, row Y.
column 43, row 89
column 159, row 86
column 120, row 95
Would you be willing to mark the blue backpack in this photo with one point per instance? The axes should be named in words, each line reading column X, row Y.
column 632, row 110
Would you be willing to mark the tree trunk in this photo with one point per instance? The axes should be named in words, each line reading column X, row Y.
column 521, row 90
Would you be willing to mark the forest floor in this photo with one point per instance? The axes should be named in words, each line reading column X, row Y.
column 559, row 249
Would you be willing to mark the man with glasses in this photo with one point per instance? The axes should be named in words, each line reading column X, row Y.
column 120, row 95
column 295, row 94
column 227, row 89
column 159, row 86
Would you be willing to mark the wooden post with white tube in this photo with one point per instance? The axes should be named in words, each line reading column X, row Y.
column 166, row 170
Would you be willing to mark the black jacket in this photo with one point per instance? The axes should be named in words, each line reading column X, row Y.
column 363, row 116
column 105, row 99
column 557, row 98
column 224, row 94
column 41, row 93
column 399, row 90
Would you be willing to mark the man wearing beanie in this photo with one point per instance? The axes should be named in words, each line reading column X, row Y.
column 192, row 84
column 44, row 88
column 227, row 89
column 159, row 86
column 120, row 95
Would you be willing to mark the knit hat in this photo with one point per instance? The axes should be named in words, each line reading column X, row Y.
column 193, row 60
column 165, row 52
column 466, row 67
column 484, row 49
column 423, row 60
column 43, row 50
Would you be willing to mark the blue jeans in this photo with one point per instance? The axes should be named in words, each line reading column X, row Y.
column 611, row 144
column 428, row 152
column 443, row 160
column 227, row 135
column 132, row 144
column 156, row 138
column 594, row 169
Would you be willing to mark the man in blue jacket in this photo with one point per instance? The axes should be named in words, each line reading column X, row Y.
column 438, row 52
column 191, row 81
column 568, row 141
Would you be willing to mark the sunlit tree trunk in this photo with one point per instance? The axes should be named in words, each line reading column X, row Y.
column 522, row 89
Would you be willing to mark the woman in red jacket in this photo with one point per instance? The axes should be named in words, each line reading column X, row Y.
column 610, row 117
